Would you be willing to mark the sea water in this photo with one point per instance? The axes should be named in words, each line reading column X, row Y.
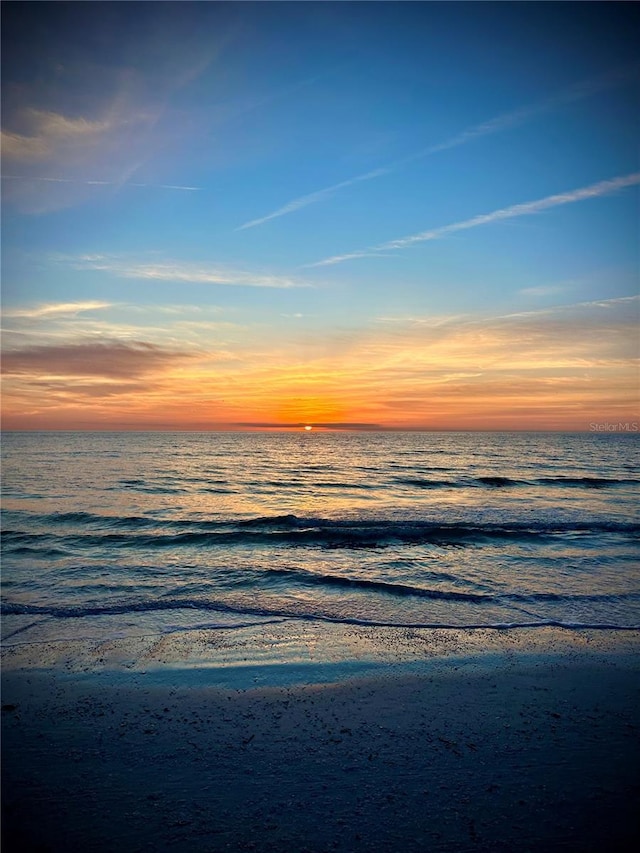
column 180, row 530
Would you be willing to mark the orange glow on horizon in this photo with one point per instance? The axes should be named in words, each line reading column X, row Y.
column 521, row 372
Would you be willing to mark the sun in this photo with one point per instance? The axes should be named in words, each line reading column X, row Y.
column 308, row 428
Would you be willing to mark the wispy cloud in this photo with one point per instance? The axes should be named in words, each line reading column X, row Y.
column 306, row 200
column 56, row 160
column 241, row 109
column 577, row 92
column 338, row 259
column 623, row 307
column 542, row 290
column 179, row 272
column 56, row 309
column 46, row 130
column 106, row 358
column 97, row 183
column 516, row 118
column 525, row 209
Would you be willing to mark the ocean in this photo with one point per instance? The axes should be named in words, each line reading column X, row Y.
column 117, row 534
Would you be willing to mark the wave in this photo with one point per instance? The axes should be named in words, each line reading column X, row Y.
column 289, row 520
column 329, row 484
column 79, row 612
column 386, row 587
column 292, row 530
column 407, row 476
column 153, row 488
column 587, row 482
column 307, row 524
column 39, row 551
column 89, row 518
column 496, row 481
column 313, row 579
column 421, row 483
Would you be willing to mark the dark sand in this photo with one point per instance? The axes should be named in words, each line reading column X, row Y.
column 535, row 749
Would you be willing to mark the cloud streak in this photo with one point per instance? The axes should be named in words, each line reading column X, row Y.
column 312, row 198
column 56, row 309
column 97, row 183
column 518, row 117
column 577, row 92
column 48, row 130
column 513, row 211
column 185, row 273
column 107, row 359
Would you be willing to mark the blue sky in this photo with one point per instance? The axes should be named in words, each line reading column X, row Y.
column 267, row 209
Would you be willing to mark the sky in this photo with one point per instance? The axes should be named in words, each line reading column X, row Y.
column 370, row 215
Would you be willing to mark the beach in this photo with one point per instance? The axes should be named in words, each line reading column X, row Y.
column 390, row 642
column 415, row 740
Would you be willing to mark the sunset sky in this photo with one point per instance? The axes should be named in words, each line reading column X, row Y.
column 407, row 215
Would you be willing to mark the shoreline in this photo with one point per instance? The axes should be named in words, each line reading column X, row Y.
column 102, row 645
column 483, row 743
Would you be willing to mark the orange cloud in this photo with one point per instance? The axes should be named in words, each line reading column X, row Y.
column 107, row 359
column 552, row 369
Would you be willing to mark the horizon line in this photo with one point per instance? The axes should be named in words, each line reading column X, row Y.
column 626, row 428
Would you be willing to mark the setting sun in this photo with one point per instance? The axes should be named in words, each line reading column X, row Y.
column 308, row 428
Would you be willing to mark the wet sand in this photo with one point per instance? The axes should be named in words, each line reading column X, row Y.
column 535, row 746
